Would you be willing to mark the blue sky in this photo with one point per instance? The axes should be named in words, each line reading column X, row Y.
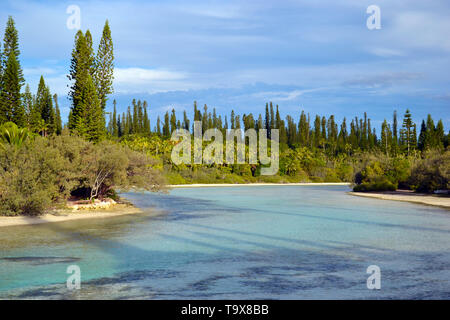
column 318, row 56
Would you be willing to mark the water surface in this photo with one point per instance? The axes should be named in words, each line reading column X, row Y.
column 265, row 242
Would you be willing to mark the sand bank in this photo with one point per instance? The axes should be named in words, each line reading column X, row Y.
column 408, row 196
column 70, row 214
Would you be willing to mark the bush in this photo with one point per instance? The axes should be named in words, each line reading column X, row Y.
column 42, row 172
column 29, row 178
column 431, row 173
column 382, row 184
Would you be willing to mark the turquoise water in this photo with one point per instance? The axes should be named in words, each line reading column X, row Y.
column 270, row 242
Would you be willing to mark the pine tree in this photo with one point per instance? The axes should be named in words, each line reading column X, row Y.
column 272, row 120
column 140, row 117
column 440, row 135
column 115, row 127
column 324, row 132
column 173, row 121
column 44, row 112
column 11, row 108
column 386, row 137
column 158, row 126
column 186, row 122
column 166, row 125
column 104, row 66
column 267, row 121
column 205, row 118
column 11, row 44
column 232, row 119
column 395, row 140
column 422, row 136
column 277, row 119
column 146, row 120
column 303, row 129
column 430, row 135
column 35, row 117
column 58, row 121
column 407, row 133
column 91, row 55
column 1, row 68
column 28, row 103
column 343, row 135
column 91, row 123
column 80, row 69
column 135, row 118
column 125, row 128
column 317, row 132
column 129, row 122
column 47, row 112
column 119, row 127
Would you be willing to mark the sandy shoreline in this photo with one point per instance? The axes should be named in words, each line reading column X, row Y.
column 407, row 196
column 201, row 185
column 69, row 215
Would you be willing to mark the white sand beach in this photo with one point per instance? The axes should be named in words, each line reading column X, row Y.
column 68, row 215
column 408, row 196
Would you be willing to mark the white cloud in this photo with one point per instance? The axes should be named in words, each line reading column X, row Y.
column 386, row 52
column 142, row 76
column 284, row 95
column 127, row 80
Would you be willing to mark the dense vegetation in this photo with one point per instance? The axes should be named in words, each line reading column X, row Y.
column 323, row 152
column 43, row 163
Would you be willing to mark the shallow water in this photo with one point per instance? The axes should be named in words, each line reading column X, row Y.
column 269, row 242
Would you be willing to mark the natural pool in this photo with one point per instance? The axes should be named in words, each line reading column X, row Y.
column 244, row 242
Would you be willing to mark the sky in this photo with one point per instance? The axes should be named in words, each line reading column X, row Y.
column 317, row 56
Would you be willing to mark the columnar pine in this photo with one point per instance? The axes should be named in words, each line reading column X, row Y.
column 407, row 135
column 115, row 126
column 11, row 108
column 58, row 121
column 104, row 66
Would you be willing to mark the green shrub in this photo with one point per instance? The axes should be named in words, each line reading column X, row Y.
column 382, row 184
column 431, row 173
column 46, row 171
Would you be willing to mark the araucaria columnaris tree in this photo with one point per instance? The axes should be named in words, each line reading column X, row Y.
column 79, row 72
column 11, row 44
column 11, row 78
column 43, row 117
column 408, row 133
column 58, row 121
column 11, row 108
column 104, row 66
column 87, row 116
column 90, row 122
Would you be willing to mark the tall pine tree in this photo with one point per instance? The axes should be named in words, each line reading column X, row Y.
column 11, row 107
column 104, row 66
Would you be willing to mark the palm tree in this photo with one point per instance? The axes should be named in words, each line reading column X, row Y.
column 11, row 134
column 42, row 128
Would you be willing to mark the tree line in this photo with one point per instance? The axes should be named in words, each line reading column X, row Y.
column 321, row 133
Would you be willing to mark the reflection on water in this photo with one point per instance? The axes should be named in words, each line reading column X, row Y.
column 271, row 242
